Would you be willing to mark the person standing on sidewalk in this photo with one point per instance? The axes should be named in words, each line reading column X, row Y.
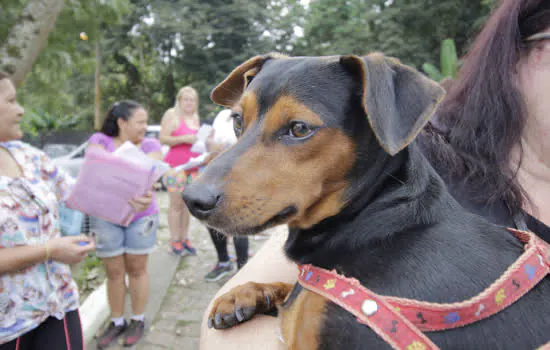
column 224, row 137
column 38, row 297
column 179, row 127
column 124, row 250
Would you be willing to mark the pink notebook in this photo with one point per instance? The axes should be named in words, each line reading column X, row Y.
column 106, row 183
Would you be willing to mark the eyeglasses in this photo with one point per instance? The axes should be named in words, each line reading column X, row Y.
column 21, row 192
column 538, row 37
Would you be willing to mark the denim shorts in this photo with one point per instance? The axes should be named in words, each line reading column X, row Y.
column 114, row 240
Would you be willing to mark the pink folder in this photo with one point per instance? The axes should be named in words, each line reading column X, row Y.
column 106, row 183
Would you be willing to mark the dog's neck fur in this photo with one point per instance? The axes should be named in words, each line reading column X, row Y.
column 392, row 199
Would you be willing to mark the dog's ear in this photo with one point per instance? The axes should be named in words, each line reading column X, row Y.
column 228, row 92
column 397, row 99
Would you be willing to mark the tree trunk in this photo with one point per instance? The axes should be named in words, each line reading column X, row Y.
column 98, row 120
column 28, row 37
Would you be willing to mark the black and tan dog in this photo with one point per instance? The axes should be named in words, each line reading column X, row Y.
column 325, row 146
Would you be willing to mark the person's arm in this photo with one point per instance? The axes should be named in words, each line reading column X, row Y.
column 63, row 249
column 18, row 258
column 268, row 265
column 167, row 126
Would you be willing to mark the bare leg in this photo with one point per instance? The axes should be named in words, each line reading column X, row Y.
column 116, row 285
column 175, row 216
column 136, row 266
column 184, row 222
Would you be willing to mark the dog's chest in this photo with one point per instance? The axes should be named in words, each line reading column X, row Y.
column 301, row 319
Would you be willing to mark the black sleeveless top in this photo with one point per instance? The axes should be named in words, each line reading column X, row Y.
column 538, row 227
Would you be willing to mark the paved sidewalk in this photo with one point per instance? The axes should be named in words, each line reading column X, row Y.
column 177, row 324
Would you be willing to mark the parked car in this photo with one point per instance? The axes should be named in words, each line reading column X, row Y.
column 154, row 131
column 55, row 150
column 72, row 162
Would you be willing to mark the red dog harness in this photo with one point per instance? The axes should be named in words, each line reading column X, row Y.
column 401, row 322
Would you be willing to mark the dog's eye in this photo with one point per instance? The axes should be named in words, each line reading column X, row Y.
column 238, row 124
column 300, row 130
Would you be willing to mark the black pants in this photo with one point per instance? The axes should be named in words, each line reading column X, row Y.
column 52, row 334
column 220, row 242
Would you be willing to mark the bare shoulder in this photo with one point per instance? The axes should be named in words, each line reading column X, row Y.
column 169, row 120
column 169, row 115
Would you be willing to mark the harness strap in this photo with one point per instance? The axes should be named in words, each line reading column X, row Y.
column 369, row 308
column 400, row 321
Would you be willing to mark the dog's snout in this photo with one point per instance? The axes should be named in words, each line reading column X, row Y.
column 201, row 200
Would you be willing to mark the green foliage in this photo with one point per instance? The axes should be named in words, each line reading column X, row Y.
column 38, row 121
column 88, row 273
column 199, row 43
column 409, row 30
column 9, row 12
column 61, row 81
column 449, row 59
column 149, row 49
column 432, row 71
column 449, row 63
column 335, row 27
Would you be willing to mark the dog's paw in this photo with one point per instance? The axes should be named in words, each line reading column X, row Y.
column 239, row 305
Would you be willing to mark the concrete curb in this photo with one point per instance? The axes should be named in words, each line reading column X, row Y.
column 94, row 311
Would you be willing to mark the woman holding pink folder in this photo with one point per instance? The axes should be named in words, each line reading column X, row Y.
column 124, row 250
column 178, row 130
column 38, row 297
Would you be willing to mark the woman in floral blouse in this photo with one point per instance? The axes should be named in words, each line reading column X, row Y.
column 38, row 298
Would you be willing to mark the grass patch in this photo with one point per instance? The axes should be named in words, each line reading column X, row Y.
column 88, row 275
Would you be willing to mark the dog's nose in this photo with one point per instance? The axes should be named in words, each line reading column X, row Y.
column 201, row 200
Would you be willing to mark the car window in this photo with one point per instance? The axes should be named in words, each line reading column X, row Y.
column 80, row 151
column 154, row 134
column 58, row 150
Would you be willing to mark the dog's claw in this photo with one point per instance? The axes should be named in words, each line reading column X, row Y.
column 239, row 313
column 217, row 321
column 242, row 303
column 223, row 321
column 229, row 320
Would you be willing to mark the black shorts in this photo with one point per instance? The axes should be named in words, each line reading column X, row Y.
column 52, row 334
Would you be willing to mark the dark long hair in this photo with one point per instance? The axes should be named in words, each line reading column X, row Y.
column 483, row 115
column 119, row 110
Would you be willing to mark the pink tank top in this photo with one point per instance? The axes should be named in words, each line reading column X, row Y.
column 180, row 154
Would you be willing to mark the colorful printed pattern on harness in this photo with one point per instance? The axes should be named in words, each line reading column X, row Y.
column 400, row 322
